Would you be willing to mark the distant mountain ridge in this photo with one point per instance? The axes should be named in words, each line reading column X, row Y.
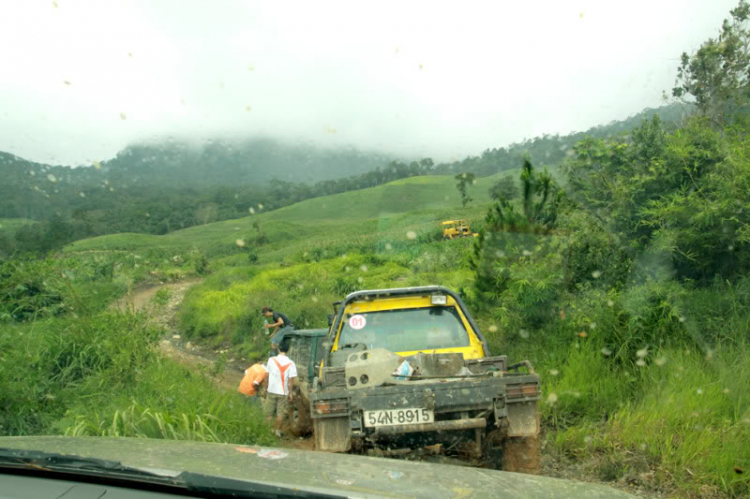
column 163, row 186
column 550, row 150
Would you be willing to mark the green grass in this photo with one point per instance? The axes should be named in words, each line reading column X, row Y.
column 384, row 212
column 9, row 226
column 597, row 400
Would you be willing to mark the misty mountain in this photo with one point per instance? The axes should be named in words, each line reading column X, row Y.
column 160, row 187
column 247, row 162
column 33, row 190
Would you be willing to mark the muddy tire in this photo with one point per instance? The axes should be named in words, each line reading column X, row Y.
column 492, row 450
column 300, row 422
column 521, row 455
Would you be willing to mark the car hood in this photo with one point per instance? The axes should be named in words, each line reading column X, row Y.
column 345, row 475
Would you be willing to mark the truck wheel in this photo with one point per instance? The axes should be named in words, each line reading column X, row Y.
column 492, row 450
column 521, row 455
column 300, row 423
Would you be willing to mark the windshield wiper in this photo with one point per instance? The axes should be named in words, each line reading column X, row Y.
column 207, row 485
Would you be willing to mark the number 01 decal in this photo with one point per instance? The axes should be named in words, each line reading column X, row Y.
column 357, row 322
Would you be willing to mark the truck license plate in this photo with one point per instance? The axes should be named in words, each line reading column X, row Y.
column 396, row 417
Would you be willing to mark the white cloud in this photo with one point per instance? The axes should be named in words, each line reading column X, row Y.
column 417, row 78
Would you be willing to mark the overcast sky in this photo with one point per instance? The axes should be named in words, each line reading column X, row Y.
column 82, row 79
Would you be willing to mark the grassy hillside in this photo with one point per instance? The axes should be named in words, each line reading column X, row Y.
column 9, row 226
column 418, row 204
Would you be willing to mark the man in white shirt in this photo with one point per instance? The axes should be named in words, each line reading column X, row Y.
column 280, row 392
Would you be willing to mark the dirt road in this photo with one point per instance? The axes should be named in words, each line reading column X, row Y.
column 161, row 302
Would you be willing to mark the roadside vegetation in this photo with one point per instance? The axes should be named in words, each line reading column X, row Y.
column 622, row 275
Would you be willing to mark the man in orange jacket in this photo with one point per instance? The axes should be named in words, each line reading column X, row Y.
column 254, row 382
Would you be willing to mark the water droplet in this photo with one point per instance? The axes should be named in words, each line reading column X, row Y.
column 606, row 351
column 123, row 116
column 314, row 299
column 681, row 318
column 492, row 329
column 82, row 194
column 730, row 247
column 500, row 254
column 596, row 274
column 643, row 446
column 251, row 210
column 725, row 390
column 51, row 178
column 709, row 354
column 363, row 268
column 552, row 398
column 592, row 325
column 260, row 206
column 642, row 352
column 240, row 243
column 523, row 333
column 660, row 361
column 554, row 372
column 526, row 252
column 610, row 303
column 411, row 235
column 640, row 362
column 588, row 439
column 388, row 246
column 360, row 280
column 699, row 391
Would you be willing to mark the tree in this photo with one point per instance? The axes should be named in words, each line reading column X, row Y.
column 716, row 76
column 464, row 180
column 505, row 188
column 507, row 254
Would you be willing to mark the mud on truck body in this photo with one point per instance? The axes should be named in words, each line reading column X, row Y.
column 408, row 369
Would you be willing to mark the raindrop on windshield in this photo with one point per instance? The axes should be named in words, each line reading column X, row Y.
column 492, row 329
column 411, row 235
column 240, row 243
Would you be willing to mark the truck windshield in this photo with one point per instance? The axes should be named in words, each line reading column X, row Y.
column 406, row 329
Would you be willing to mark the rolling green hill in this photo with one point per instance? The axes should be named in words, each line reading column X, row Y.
column 415, row 204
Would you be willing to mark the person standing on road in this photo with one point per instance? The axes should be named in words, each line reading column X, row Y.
column 253, row 384
column 281, row 374
column 281, row 325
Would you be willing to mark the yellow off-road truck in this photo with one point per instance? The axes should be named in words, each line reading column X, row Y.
column 407, row 369
column 457, row 228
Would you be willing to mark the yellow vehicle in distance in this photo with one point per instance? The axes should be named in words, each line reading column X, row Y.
column 457, row 228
